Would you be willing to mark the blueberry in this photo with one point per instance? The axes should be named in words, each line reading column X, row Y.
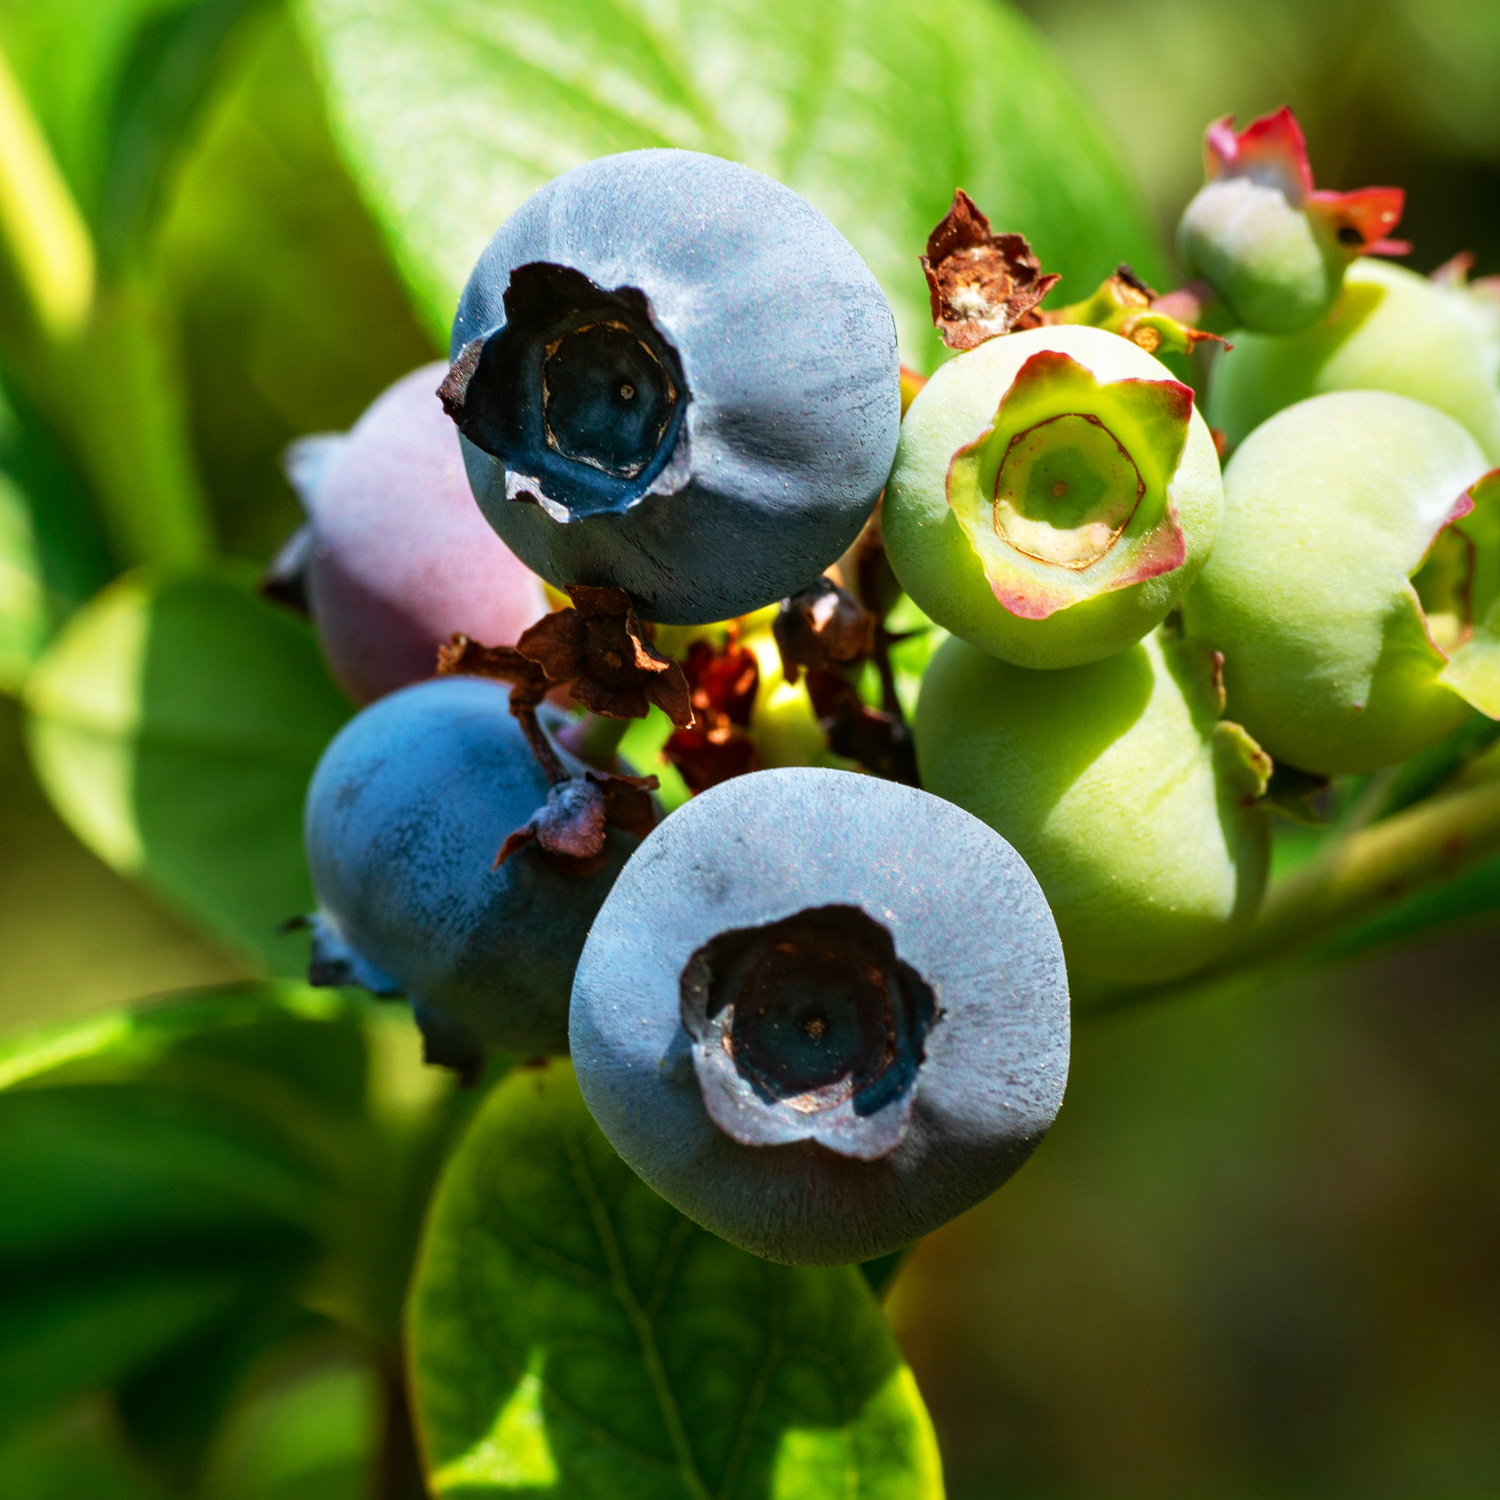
column 822, row 1013
column 674, row 376
column 405, row 813
column 396, row 556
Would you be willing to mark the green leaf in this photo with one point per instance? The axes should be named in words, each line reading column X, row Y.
column 23, row 595
column 75, row 1455
column 573, row 1335
column 168, row 1176
column 292, row 318
column 174, row 58
column 52, row 551
column 175, row 726
column 452, row 113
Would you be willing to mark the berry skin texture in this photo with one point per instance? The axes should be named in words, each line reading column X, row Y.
column 1390, row 330
column 822, row 1014
column 1121, row 787
column 688, row 386
column 399, row 556
column 1051, row 521
column 1315, row 589
column 405, row 813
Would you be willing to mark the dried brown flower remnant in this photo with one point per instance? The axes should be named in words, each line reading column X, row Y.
column 570, row 828
column 599, row 649
column 982, row 284
column 820, row 627
column 878, row 739
column 718, row 747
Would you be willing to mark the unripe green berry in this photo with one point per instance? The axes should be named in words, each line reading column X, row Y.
column 1263, row 254
column 1271, row 245
column 1390, row 330
column 1129, row 797
column 1054, row 493
column 1333, row 540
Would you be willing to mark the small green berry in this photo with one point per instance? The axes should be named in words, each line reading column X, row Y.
column 1272, row 246
column 1054, row 493
column 1357, row 553
column 1389, row 330
column 1119, row 784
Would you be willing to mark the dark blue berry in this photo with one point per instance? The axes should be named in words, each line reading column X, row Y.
column 674, row 376
column 405, row 814
column 822, row 1013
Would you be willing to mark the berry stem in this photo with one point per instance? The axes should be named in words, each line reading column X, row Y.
column 1368, row 868
column 541, row 746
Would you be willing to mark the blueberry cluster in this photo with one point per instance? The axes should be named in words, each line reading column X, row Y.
column 1026, row 719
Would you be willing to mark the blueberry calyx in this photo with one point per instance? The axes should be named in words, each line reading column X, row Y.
column 808, row 1028
column 981, row 284
column 579, row 395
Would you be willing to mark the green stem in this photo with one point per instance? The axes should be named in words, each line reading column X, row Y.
column 1374, row 866
column 1364, row 870
column 43, row 234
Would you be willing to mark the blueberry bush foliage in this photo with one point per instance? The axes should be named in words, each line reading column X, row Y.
column 226, row 225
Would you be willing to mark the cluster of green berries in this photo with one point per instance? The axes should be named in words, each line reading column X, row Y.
column 1016, row 722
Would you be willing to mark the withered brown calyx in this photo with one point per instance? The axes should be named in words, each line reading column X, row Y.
column 598, row 651
column 831, row 634
column 982, row 284
column 821, row 627
column 724, row 684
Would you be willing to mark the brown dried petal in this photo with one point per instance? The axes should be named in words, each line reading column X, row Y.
column 556, row 643
column 822, row 626
column 705, row 756
column 981, row 284
column 879, row 741
column 627, row 801
column 599, row 647
column 723, row 683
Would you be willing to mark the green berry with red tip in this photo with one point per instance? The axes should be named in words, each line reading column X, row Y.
column 1272, row 246
column 1352, row 588
column 1389, row 330
column 1054, row 494
column 1120, row 785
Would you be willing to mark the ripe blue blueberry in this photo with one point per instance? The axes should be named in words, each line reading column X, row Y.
column 674, row 376
column 405, row 813
column 822, row 1013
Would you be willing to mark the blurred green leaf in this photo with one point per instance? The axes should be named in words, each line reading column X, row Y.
column 174, row 58
column 175, row 726
column 168, row 1176
column 573, row 1334
column 310, row 1436
column 52, row 552
column 77, row 1455
column 453, row 113
column 23, row 595
column 291, row 315
column 113, row 84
